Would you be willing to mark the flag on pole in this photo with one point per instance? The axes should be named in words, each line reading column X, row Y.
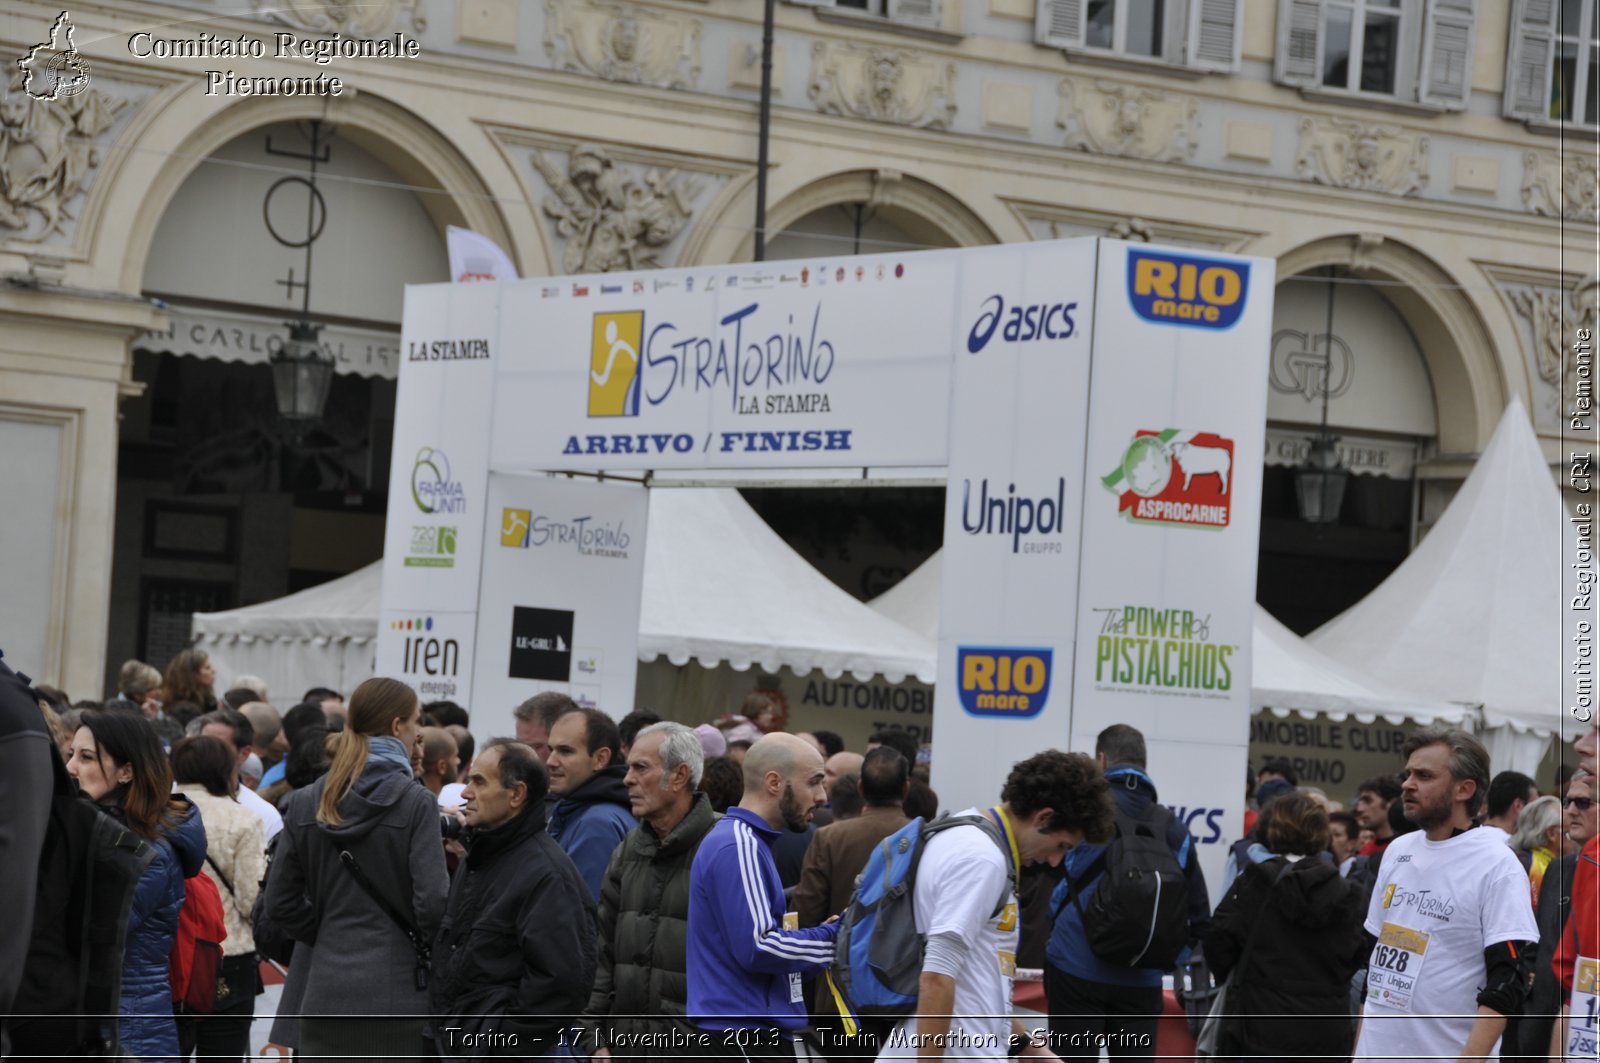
column 474, row 257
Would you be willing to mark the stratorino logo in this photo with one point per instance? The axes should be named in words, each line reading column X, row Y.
column 1003, row 681
column 1182, row 290
column 614, row 364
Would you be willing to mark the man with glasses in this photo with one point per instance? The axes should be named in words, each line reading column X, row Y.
column 1581, row 821
column 1578, row 948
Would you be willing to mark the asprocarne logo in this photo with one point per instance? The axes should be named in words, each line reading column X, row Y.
column 1020, row 323
column 1003, row 681
column 1184, row 290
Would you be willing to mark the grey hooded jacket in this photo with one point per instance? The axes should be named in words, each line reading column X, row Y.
column 363, row 963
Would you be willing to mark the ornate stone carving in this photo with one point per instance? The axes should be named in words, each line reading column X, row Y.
column 1112, row 119
column 1553, row 315
column 620, row 42
column 354, row 18
column 883, row 85
column 47, row 150
column 1561, row 186
column 1135, row 229
column 610, row 218
column 1369, row 158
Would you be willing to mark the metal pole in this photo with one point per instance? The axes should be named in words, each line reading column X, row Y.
column 766, row 130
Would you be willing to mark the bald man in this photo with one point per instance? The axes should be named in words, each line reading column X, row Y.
column 840, row 764
column 745, row 967
column 440, row 759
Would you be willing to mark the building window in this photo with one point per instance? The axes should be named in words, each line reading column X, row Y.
column 1203, row 34
column 1551, row 57
column 1400, row 49
column 1132, row 27
column 928, row 13
column 1362, row 45
column 1572, row 74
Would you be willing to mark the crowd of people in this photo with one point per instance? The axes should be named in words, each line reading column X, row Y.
column 596, row 889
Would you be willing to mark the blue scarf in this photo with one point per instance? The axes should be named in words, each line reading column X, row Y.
column 387, row 749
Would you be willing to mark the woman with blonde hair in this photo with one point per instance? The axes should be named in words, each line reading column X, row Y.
column 120, row 765
column 359, row 873
column 189, row 677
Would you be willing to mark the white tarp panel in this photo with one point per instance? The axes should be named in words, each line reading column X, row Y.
column 1476, row 613
column 719, row 585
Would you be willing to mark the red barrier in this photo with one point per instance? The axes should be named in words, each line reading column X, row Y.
column 1172, row 1031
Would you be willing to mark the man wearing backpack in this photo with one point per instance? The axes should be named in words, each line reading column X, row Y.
column 1108, row 950
column 25, row 775
column 965, row 902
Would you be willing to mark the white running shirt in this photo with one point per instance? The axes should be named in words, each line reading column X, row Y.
column 961, row 878
column 1435, row 907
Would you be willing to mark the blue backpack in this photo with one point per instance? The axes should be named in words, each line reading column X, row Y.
column 877, row 957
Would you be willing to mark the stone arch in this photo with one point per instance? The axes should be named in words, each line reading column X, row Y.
column 920, row 207
column 1470, row 384
column 448, row 186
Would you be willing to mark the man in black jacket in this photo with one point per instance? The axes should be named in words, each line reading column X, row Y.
column 641, row 988
column 25, row 773
column 515, row 956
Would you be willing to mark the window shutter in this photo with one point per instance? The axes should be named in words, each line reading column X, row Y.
column 1299, row 59
column 1447, row 54
column 921, row 12
column 1214, row 34
column 1528, row 58
column 1059, row 23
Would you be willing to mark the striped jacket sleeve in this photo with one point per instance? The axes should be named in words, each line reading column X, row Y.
column 756, row 938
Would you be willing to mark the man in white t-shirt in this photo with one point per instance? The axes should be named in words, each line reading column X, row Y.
column 966, row 905
column 1451, row 913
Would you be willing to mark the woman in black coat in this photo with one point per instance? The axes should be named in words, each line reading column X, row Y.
column 1290, row 999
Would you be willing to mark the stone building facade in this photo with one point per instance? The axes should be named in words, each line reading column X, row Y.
column 1425, row 166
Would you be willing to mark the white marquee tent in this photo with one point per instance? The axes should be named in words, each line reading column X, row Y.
column 719, row 586
column 1476, row 613
column 1288, row 675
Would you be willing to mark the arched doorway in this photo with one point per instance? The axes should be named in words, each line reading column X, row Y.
column 1342, row 354
column 220, row 501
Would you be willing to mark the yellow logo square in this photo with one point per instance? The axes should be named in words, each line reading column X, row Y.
column 514, row 527
column 614, row 364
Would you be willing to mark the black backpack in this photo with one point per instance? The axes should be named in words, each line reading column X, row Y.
column 1139, row 914
column 272, row 942
column 89, row 869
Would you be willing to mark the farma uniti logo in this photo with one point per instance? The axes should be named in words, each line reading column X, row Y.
column 1004, row 681
column 614, row 364
column 1184, row 290
column 1175, row 477
column 432, row 487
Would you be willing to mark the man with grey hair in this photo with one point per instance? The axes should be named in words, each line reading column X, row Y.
column 641, row 982
column 537, row 715
column 1451, row 916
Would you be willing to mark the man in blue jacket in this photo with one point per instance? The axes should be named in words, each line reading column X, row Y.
column 745, row 965
column 591, row 812
column 1091, row 1001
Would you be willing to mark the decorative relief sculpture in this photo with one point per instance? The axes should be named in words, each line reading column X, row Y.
column 612, row 220
column 1553, row 315
column 1112, row 119
column 354, row 18
column 1136, row 230
column 1560, row 186
column 47, row 151
column 883, row 85
column 1369, row 158
column 619, row 42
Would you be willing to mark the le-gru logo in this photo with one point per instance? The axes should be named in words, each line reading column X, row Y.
column 541, row 644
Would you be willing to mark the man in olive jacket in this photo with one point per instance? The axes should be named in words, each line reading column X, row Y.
column 641, row 987
column 515, row 956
